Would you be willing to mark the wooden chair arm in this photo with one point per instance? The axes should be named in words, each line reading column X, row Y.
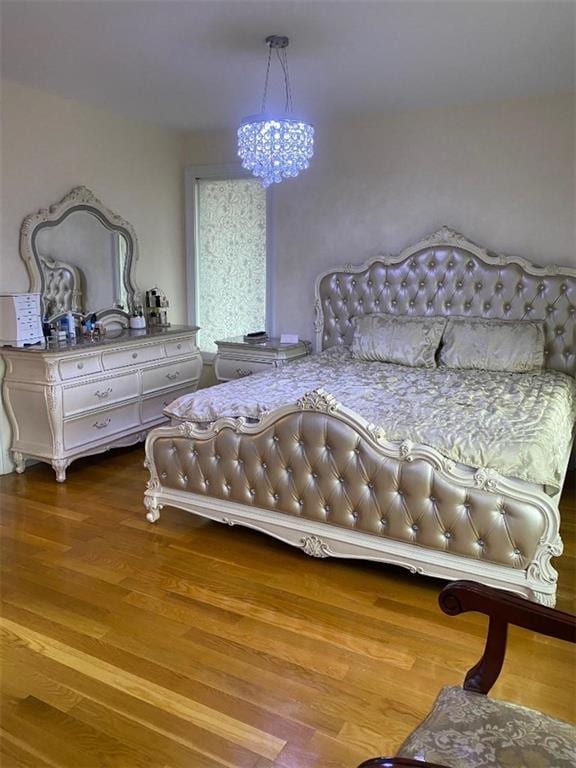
column 397, row 762
column 502, row 608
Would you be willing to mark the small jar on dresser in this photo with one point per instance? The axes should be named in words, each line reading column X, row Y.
column 237, row 358
column 72, row 400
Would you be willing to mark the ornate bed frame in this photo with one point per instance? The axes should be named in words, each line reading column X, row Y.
column 316, row 475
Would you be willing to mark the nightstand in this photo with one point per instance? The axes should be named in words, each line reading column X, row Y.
column 237, row 358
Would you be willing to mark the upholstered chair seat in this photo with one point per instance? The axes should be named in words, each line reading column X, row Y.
column 470, row 730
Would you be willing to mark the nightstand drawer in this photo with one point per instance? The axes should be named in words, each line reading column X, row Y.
column 171, row 375
column 226, row 368
column 98, row 394
column 94, row 427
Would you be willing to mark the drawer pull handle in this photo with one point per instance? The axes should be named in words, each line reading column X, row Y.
column 173, row 376
column 79, row 366
column 243, row 372
column 102, row 393
column 101, row 424
column 134, row 355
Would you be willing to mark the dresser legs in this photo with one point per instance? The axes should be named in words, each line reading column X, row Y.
column 19, row 461
column 59, row 466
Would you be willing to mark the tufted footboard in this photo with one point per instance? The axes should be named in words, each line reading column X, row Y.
column 318, row 476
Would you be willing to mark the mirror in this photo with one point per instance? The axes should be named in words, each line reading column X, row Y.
column 80, row 257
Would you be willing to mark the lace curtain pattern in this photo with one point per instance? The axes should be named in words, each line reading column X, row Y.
column 231, row 252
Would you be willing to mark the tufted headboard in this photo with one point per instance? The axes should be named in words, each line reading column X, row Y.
column 445, row 274
column 62, row 287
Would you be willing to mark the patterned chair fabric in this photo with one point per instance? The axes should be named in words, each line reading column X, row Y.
column 470, row 730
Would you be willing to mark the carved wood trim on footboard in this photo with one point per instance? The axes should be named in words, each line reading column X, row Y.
column 318, row 476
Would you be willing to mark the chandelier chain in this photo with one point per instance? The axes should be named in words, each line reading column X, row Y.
column 265, row 94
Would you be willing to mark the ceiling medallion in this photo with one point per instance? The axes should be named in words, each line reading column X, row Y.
column 275, row 146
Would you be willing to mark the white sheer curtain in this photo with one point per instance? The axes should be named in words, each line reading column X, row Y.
column 230, row 259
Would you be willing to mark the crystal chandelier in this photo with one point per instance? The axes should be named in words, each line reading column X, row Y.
column 275, row 147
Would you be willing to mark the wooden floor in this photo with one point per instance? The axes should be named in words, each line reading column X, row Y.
column 193, row 644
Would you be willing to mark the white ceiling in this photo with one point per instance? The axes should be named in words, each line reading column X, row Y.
column 192, row 64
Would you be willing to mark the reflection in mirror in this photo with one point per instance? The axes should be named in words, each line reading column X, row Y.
column 85, row 250
column 81, row 257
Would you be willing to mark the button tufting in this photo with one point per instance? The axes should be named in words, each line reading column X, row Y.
column 264, row 465
column 499, row 286
column 447, row 535
column 440, row 284
column 252, row 492
column 217, row 457
column 411, row 303
column 275, row 496
column 403, row 283
column 528, row 307
column 448, row 304
column 459, row 284
column 383, row 521
column 467, row 305
column 480, row 542
column 415, row 527
column 478, row 286
column 422, row 283
column 327, row 508
column 393, row 302
column 431, row 264
column 429, row 304
column 450, row 264
column 563, row 287
column 487, row 305
column 357, row 451
column 433, row 499
column 289, row 470
column 370, row 485
column 516, row 551
column 506, row 307
column 300, row 503
column 470, row 264
column 275, row 438
column 315, row 475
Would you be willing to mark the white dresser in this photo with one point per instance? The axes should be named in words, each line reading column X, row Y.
column 64, row 402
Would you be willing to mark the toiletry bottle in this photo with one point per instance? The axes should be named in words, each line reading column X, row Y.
column 71, row 327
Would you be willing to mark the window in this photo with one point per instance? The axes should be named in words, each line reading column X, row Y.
column 229, row 267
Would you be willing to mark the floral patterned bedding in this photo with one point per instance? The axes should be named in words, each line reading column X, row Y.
column 519, row 424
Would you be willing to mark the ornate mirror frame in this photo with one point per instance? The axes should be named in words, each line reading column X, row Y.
column 78, row 199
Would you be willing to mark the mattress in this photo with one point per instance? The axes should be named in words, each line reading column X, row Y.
column 519, row 424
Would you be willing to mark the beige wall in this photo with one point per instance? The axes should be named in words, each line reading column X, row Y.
column 501, row 173
column 49, row 145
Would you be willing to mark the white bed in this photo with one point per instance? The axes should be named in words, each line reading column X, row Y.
column 450, row 473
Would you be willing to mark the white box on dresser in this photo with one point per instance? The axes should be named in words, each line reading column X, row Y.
column 20, row 319
column 68, row 401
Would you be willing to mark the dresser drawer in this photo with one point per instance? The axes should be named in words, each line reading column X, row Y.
column 227, row 368
column 84, row 366
column 183, row 347
column 171, row 375
column 88, row 429
column 86, row 397
column 153, row 407
column 132, row 356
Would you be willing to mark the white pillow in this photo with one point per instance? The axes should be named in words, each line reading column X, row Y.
column 399, row 339
column 516, row 346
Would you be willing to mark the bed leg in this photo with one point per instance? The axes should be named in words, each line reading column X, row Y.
column 151, row 504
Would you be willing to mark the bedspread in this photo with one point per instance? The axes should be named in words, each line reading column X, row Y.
column 518, row 424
